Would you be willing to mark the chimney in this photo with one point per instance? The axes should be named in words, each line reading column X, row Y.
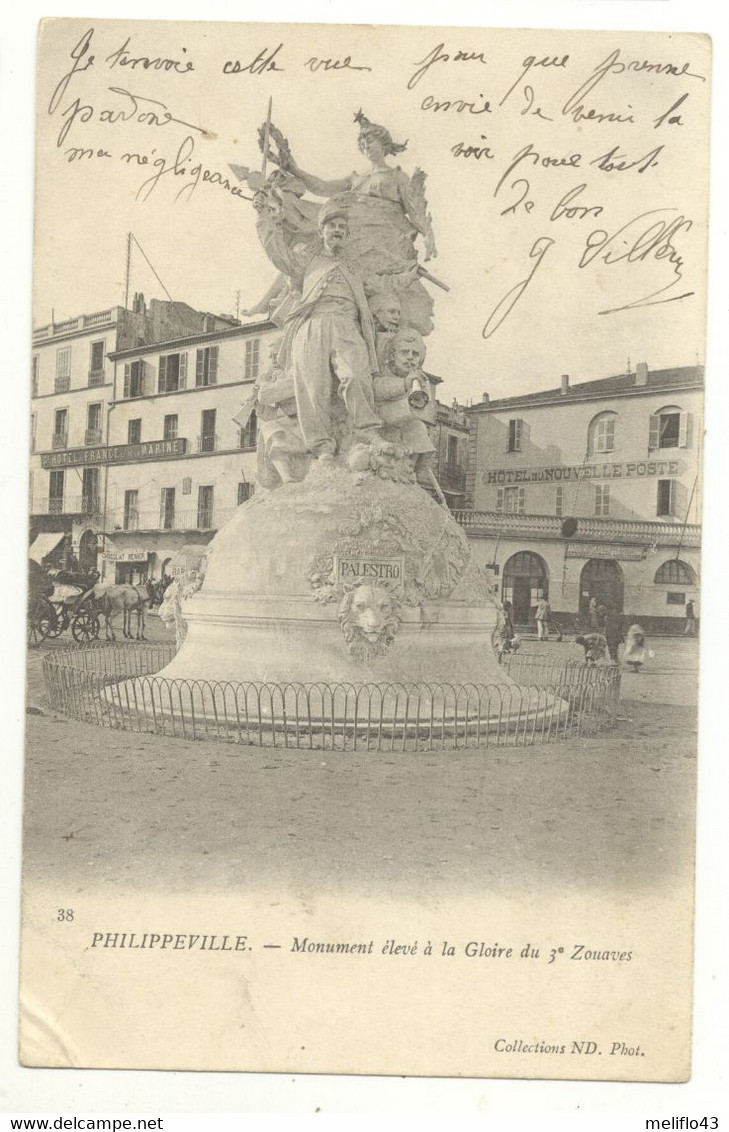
column 565, row 383
column 485, row 398
column 641, row 373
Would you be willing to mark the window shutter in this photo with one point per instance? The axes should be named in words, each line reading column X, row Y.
column 521, row 499
column 183, row 370
column 127, row 378
column 162, row 381
column 199, row 367
column 499, row 499
column 517, row 434
column 213, row 365
column 162, row 492
column 187, row 486
column 684, row 430
column 671, row 497
column 654, row 431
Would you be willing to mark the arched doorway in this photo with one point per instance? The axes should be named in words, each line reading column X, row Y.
column 87, row 552
column 602, row 579
column 525, row 581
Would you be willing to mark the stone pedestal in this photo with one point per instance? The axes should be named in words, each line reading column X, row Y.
column 342, row 578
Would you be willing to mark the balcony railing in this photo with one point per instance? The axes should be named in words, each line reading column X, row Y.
column 588, row 529
column 247, row 438
column 92, row 436
column 60, row 439
column 197, row 519
column 69, row 505
column 62, row 384
column 96, row 377
column 208, row 442
column 83, row 322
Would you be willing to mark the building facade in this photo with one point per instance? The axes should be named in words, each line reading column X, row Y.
column 591, row 490
column 179, row 465
column 75, row 440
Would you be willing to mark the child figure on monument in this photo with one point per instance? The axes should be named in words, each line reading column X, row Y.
column 399, row 390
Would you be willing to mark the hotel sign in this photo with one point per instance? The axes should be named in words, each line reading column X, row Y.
column 605, row 550
column 115, row 454
column 574, row 472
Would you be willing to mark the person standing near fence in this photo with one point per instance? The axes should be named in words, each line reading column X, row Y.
column 542, row 617
column 613, row 633
column 690, row 630
column 592, row 614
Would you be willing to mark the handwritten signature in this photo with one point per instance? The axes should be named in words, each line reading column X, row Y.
column 639, row 240
column 505, row 306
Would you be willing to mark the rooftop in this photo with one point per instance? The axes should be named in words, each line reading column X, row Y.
column 624, row 384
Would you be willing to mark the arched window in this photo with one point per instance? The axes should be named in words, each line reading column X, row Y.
column 601, row 434
column 670, row 427
column 675, row 573
column 524, row 582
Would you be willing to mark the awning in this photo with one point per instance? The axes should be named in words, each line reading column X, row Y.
column 44, row 544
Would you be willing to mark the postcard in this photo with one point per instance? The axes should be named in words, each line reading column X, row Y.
column 364, row 557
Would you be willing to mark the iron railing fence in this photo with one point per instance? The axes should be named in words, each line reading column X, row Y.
column 116, row 686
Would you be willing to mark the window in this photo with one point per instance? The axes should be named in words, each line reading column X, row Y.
column 134, row 431
column 452, row 455
column 167, row 508
column 247, row 437
column 666, row 502
column 245, row 491
column 510, row 500
column 207, row 438
column 60, row 429
column 96, row 359
column 205, row 507
column 172, row 373
column 63, row 369
column 55, row 491
column 601, row 434
column 669, row 428
column 675, row 572
column 131, row 510
column 559, row 502
column 206, row 366
column 93, row 423
column 34, row 377
column 513, row 443
column 90, row 491
column 134, row 379
column 602, row 499
column 252, row 361
column 169, row 429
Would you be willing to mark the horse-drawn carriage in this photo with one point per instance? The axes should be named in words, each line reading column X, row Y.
column 62, row 602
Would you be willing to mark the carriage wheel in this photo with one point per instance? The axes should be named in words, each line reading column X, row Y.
column 41, row 622
column 61, row 621
column 85, row 626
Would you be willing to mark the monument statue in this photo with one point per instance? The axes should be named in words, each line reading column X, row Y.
column 348, row 572
column 387, row 211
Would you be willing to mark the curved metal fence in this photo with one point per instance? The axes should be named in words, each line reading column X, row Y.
column 116, row 686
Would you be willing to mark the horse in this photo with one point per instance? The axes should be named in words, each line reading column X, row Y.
column 128, row 599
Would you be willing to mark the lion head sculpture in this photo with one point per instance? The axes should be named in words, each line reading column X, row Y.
column 369, row 615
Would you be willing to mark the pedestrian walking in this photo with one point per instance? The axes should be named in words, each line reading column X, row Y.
column 613, row 633
column 634, row 655
column 592, row 614
column 690, row 630
column 508, row 642
column 595, row 647
column 542, row 616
